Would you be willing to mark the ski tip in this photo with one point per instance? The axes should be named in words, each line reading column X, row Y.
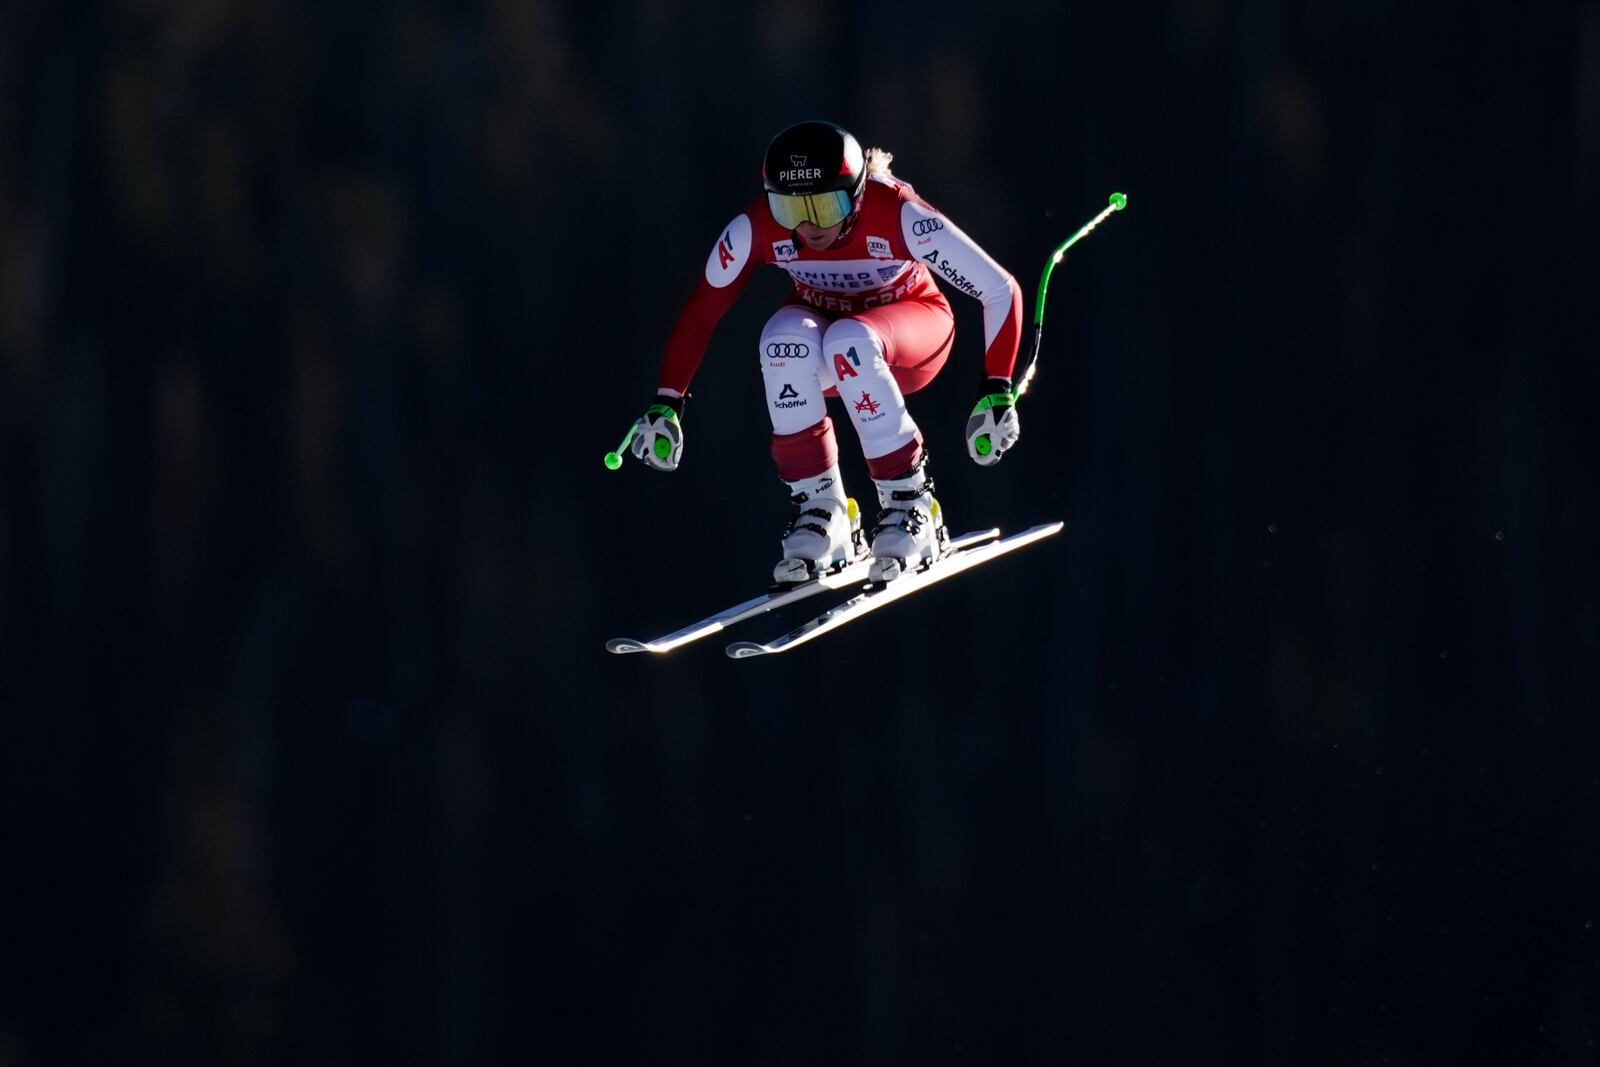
column 623, row 645
column 1034, row 533
column 745, row 649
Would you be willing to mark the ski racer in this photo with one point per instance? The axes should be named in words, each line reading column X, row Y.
column 865, row 322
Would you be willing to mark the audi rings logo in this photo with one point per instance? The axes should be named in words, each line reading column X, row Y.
column 923, row 227
column 781, row 350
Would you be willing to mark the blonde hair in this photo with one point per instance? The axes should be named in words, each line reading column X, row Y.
column 878, row 160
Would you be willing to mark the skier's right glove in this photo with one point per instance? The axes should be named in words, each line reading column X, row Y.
column 993, row 426
column 658, row 436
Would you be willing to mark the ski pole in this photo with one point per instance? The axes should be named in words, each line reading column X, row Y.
column 1118, row 202
column 614, row 459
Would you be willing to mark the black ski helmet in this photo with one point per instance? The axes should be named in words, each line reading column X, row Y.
column 811, row 158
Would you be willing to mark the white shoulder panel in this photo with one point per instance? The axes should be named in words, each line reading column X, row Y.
column 731, row 253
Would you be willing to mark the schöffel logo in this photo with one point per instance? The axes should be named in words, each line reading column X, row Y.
column 952, row 275
column 923, row 227
column 788, row 398
column 784, row 350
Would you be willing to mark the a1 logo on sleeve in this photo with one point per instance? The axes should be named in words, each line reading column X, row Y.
column 878, row 248
column 731, row 253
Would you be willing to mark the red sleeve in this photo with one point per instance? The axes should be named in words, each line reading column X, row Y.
column 1000, row 358
column 728, row 269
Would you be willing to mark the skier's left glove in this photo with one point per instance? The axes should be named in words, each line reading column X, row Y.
column 992, row 428
column 658, row 435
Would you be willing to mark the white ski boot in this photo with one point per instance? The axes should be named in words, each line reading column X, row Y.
column 824, row 532
column 910, row 531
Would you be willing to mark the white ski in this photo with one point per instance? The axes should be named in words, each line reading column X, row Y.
column 873, row 599
column 852, row 574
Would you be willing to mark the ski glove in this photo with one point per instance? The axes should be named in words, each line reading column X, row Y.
column 657, row 436
column 992, row 428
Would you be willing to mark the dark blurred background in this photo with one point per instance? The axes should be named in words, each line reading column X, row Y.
column 315, row 321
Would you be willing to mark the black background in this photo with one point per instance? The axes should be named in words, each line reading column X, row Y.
column 315, row 321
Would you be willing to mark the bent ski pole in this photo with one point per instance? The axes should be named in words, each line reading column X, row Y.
column 1117, row 203
column 614, row 459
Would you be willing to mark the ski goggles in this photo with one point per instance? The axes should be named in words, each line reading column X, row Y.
column 819, row 209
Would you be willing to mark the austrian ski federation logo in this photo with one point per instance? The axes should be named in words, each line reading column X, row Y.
column 867, row 404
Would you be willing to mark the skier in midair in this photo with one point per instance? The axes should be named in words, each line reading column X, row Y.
column 866, row 322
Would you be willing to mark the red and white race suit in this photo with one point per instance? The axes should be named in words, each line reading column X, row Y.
column 865, row 320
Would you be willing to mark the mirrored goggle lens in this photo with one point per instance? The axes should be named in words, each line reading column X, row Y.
column 819, row 209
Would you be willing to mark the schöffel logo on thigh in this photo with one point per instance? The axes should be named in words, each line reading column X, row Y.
column 788, row 350
column 789, row 398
